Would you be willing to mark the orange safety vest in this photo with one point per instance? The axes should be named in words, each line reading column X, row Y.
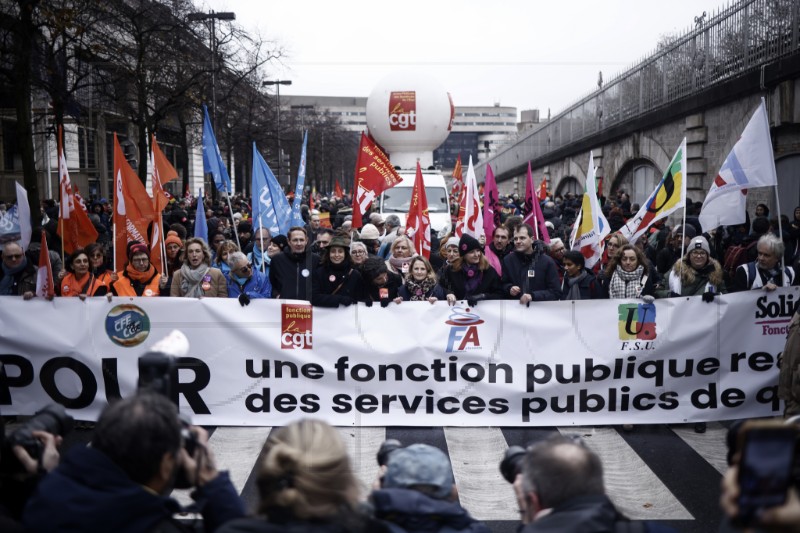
column 124, row 287
column 88, row 284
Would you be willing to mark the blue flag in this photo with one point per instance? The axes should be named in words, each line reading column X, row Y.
column 270, row 207
column 297, row 218
column 212, row 159
column 200, row 223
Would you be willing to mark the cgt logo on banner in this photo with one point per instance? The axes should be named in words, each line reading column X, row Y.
column 773, row 317
column 403, row 111
column 296, row 327
column 463, row 330
column 637, row 326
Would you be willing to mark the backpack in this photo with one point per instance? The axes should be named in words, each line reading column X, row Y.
column 734, row 257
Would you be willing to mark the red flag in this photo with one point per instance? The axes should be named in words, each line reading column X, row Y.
column 542, row 194
column 458, row 181
column 133, row 208
column 418, row 222
column 532, row 212
column 163, row 172
column 74, row 226
column 374, row 174
column 338, row 190
column 311, row 196
column 45, row 288
column 491, row 216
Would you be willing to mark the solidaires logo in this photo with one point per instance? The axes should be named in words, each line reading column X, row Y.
column 127, row 325
column 637, row 322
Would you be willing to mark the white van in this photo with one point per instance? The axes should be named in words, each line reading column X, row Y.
column 397, row 200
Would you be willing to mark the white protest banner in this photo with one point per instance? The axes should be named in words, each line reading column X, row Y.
column 498, row 364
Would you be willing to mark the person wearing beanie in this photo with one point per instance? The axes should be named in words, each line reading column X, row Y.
column 335, row 281
column 174, row 247
column 139, row 277
column 696, row 273
column 448, row 251
column 529, row 274
column 370, row 236
column 377, row 283
column 470, row 276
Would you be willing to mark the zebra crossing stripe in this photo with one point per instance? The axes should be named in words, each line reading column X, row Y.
column 707, row 444
column 362, row 445
column 475, row 454
column 236, row 449
column 633, row 487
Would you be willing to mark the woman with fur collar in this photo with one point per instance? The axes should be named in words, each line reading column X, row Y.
column 696, row 273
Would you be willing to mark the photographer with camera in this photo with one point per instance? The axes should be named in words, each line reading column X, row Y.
column 122, row 481
column 559, row 487
column 761, row 488
column 416, row 491
column 27, row 454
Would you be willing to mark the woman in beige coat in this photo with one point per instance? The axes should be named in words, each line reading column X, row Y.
column 197, row 278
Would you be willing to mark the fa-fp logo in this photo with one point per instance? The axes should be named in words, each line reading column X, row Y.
column 463, row 330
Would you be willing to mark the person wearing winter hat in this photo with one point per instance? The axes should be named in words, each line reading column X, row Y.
column 377, row 283
column 139, row 277
column 335, row 280
column 418, row 493
column 696, row 273
column 370, row 236
column 470, row 276
column 174, row 246
column 448, row 251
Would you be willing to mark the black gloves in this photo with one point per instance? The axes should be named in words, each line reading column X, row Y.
column 244, row 299
column 385, row 302
column 708, row 296
column 368, row 303
column 473, row 300
column 345, row 301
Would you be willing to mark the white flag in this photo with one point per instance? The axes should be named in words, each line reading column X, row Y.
column 473, row 216
column 750, row 164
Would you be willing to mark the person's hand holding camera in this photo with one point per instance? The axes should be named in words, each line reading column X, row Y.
column 784, row 518
column 50, row 456
column 201, row 467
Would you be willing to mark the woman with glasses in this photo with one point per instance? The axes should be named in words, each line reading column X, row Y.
column 99, row 266
column 139, row 277
column 696, row 273
column 335, row 281
column 358, row 253
column 78, row 280
column 197, row 278
column 244, row 282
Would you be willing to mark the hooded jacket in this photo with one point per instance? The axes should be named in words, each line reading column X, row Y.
column 410, row 510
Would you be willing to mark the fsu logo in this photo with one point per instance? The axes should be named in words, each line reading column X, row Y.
column 463, row 331
column 403, row 111
column 637, row 322
column 296, row 327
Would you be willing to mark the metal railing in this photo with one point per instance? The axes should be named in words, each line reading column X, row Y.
column 739, row 38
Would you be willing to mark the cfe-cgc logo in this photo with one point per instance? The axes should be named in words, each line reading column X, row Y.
column 463, row 330
column 637, row 326
column 296, row 327
column 127, row 325
column 403, row 111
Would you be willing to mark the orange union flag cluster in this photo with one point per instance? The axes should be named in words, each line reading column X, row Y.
column 374, row 174
column 133, row 208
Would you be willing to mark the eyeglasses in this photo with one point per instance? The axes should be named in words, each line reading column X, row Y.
column 358, row 252
column 140, row 260
column 244, row 269
column 97, row 256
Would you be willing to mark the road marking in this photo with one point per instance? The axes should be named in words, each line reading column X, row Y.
column 710, row 445
column 362, row 445
column 475, row 454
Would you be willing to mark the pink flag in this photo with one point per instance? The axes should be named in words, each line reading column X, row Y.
column 532, row 213
column 491, row 215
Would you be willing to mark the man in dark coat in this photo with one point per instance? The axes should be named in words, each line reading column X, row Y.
column 528, row 273
column 121, row 482
column 18, row 274
column 290, row 272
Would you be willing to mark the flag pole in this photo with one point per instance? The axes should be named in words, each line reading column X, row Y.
column 163, row 247
column 780, row 226
column 230, row 210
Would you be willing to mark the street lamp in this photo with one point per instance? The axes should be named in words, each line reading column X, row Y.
column 277, row 84
column 213, row 17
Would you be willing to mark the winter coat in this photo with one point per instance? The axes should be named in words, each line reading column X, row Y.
column 455, row 282
column 412, row 511
column 369, row 293
column 590, row 288
column 353, row 523
column 687, row 281
column 335, row 285
column 24, row 280
column 290, row 275
column 543, row 285
column 256, row 286
column 218, row 288
column 89, row 492
column 436, row 291
column 789, row 380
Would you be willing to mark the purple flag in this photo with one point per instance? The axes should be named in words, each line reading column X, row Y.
column 532, row 212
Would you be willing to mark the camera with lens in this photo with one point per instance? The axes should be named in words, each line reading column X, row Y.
column 158, row 373
column 51, row 419
column 386, row 450
column 511, row 465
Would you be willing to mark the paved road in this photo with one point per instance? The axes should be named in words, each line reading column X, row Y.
column 656, row 472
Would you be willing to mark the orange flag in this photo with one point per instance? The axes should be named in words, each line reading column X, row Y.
column 74, row 226
column 374, row 174
column 338, row 190
column 163, row 172
column 542, row 193
column 133, row 208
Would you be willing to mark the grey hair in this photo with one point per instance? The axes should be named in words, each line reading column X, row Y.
column 776, row 245
column 357, row 244
column 393, row 221
column 236, row 257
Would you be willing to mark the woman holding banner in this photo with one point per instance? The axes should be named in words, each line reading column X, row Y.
column 420, row 283
column 696, row 273
column 628, row 275
column 139, row 277
column 197, row 278
column 470, row 277
column 335, row 281
column 78, row 280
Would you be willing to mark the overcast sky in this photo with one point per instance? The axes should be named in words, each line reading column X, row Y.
column 527, row 54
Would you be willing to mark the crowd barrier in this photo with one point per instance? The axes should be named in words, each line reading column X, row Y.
column 496, row 364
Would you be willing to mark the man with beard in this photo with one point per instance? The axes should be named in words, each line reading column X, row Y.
column 528, row 273
column 290, row 272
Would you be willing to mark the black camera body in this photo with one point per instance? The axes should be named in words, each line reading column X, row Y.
column 52, row 419
column 511, row 465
